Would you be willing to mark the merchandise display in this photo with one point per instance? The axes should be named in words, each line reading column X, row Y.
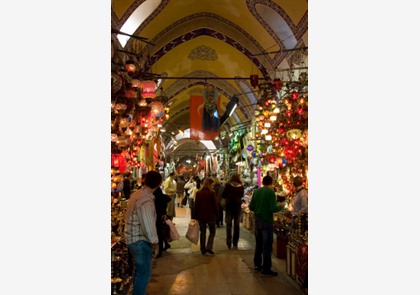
column 121, row 261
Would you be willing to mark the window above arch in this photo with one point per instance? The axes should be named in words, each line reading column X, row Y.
column 136, row 19
column 278, row 25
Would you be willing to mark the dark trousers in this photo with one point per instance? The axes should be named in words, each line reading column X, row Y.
column 263, row 243
column 219, row 220
column 235, row 218
column 191, row 205
column 203, row 228
column 160, row 228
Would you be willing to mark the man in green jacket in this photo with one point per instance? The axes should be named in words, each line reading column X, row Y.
column 264, row 204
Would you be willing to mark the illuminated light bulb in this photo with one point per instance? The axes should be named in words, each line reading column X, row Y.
column 273, row 118
column 295, row 95
column 268, row 137
column 264, row 131
column 301, row 100
column 143, row 103
column 267, row 124
column 276, row 110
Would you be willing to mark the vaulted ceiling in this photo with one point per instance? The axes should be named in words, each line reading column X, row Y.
column 221, row 42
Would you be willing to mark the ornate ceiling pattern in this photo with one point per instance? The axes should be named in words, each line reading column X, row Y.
column 194, row 43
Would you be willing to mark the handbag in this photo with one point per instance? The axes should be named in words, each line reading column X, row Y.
column 166, row 232
column 173, row 232
column 193, row 231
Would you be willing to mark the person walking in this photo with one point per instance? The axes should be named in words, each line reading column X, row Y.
column 263, row 203
column 161, row 203
column 206, row 211
column 169, row 188
column 218, row 187
column 140, row 231
column 233, row 193
column 180, row 183
column 193, row 185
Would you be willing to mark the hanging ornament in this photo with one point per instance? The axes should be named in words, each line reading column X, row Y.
column 253, row 80
column 157, row 109
column 294, row 134
column 278, row 83
column 148, row 89
column 130, row 66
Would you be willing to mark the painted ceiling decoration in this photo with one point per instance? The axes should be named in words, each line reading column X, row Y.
column 203, row 52
column 187, row 44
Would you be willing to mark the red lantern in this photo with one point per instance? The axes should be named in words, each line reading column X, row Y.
column 278, row 84
column 254, row 80
column 148, row 89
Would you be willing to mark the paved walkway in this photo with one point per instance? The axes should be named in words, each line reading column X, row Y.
column 183, row 270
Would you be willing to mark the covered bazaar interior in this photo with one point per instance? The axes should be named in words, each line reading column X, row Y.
column 170, row 59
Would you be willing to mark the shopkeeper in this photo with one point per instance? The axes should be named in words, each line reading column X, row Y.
column 300, row 205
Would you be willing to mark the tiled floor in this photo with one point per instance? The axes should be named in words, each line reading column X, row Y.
column 183, row 270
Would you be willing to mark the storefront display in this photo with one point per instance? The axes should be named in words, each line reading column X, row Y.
column 121, row 261
column 297, row 253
